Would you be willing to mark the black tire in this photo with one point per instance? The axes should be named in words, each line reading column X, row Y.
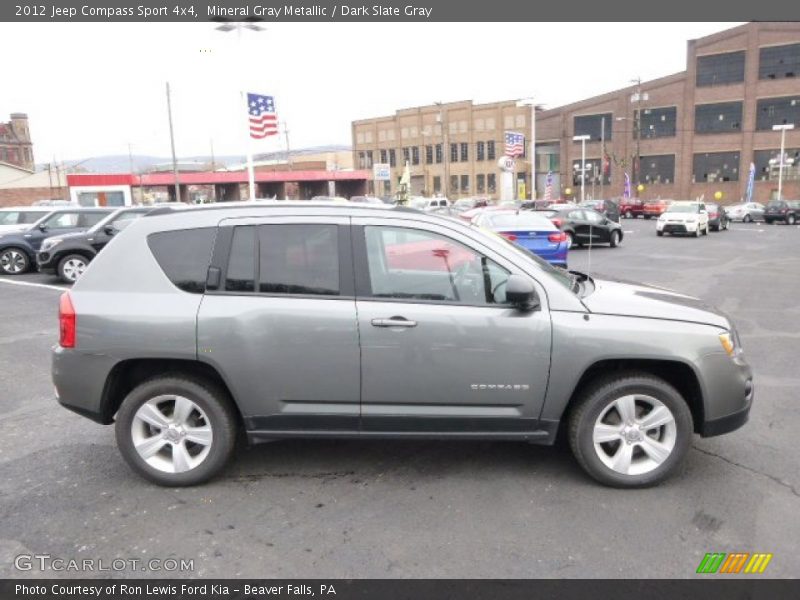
column 614, row 239
column 597, row 396
column 747, row 218
column 14, row 261
column 768, row 221
column 570, row 240
column 648, row 217
column 790, row 220
column 714, row 227
column 660, row 233
column 215, row 403
column 628, row 214
column 63, row 270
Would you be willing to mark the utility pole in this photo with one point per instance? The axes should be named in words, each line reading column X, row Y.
column 288, row 148
column 213, row 161
column 637, row 123
column 172, row 145
column 782, row 129
column 445, row 152
column 582, row 139
column 602, row 154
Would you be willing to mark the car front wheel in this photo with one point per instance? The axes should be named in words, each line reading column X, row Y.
column 630, row 430
column 14, row 261
column 790, row 220
column 615, row 239
column 176, row 431
column 747, row 219
column 71, row 267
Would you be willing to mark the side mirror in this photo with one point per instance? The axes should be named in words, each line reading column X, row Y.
column 109, row 230
column 520, row 293
column 42, row 227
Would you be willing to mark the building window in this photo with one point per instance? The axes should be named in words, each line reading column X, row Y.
column 369, row 159
column 392, row 158
column 519, row 121
column 490, row 124
column 768, row 164
column 720, row 69
column 406, row 155
column 657, row 169
column 428, row 154
column 713, row 167
column 480, row 183
column 453, row 152
column 437, row 184
column 454, row 183
column 387, row 188
column 384, row 156
column 779, row 62
column 658, row 122
column 362, row 160
column 480, row 151
column 465, row 183
column 415, row 155
column 491, row 185
column 490, row 155
column 725, row 117
column 592, row 125
column 439, row 154
column 464, row 152
column 777, row 111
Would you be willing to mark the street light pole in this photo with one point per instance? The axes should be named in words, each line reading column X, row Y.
column 782, row 129
column 172, row 144
column 445, row 152
column 582, row 139
column 530, row 102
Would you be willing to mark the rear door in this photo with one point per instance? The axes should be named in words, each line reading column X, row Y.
column 577, row 219
column 598, row 231
column 279, row 321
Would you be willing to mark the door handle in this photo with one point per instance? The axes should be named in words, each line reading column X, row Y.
column 393, row 322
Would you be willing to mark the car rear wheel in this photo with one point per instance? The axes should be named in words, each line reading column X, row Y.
column 628, row 214
column 790, row 220
column 747, row 219
column 630, row 430
column 660, row 233
column 570, row 239
column 14, row 261
column 614, row 239
column 71, row 267
column 176, row 431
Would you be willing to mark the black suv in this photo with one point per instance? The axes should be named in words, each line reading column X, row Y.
column 782, row 210
column 68, row 255
column 18, row 249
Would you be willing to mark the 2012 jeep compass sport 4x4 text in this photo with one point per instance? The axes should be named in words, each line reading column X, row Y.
column 292, row 320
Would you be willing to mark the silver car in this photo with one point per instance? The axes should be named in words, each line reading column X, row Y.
column 304, row 320
column 746, row 212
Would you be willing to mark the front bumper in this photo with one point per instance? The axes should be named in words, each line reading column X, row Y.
column 677, row 227
column 45, row 262
column 728, row 393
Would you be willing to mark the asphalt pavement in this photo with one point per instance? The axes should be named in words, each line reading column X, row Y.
column 354, row 509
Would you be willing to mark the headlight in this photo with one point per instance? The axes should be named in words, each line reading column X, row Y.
column 730, row 342
column 50, row 242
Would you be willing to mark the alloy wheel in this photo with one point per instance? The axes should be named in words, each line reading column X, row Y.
column 171, row 434
column 12, row 261
column 73, row 268
column 634, row 434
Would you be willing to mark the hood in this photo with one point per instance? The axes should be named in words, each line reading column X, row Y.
column 615, row 297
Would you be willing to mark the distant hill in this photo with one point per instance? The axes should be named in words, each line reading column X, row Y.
column 121, row 163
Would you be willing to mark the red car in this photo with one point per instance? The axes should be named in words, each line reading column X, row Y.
column 654, row 208
column 631, row 208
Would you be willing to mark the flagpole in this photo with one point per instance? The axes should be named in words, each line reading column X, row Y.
column 251, row 176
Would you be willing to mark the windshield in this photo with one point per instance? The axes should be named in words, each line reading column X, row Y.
column 684, row 208
column 523, row 220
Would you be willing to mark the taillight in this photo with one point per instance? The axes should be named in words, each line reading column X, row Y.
column 556, row 222
column 558, row 236
column 509, row 236
column 66, row 321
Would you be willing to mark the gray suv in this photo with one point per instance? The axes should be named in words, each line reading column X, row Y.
column 312, row 320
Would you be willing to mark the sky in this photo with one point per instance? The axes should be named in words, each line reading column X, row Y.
column 93, row 89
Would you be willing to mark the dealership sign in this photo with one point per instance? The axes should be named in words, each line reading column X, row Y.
column 381, row 172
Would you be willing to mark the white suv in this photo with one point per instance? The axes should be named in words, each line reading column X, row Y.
column 683, row 217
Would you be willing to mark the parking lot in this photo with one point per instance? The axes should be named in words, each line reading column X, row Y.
column 357, row 509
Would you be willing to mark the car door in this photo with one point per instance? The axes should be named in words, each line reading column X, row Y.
column 279, row 321
column 441, row 352
column 756, row 211
column 597, row 226
column 577, row 219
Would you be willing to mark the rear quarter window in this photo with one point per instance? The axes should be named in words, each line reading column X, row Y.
column 184, row 256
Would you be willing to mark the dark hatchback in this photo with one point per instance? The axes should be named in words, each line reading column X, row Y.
column 586, row 227
column 787, row 211
column 18, row 249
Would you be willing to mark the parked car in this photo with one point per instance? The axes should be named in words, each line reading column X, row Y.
column 529, row 230
column 584, row 226
column 18, row 249
column 366, row 200
column 231, row 318
column 465, row 204
column 428, row 204
column 786, row 211
column 468, row 215
column 68, row 255
column 16, row 218
column 718, row 219
column 631, row 208
column 746, row 212
column 607, row 208
column 655, row 208
column 684, row 217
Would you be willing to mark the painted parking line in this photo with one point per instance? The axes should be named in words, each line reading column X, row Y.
column 31, row 284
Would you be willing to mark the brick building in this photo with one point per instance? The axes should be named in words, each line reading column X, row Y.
column 16, row 147
column 685, row 135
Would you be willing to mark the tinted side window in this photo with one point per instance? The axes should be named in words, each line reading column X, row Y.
column 184, row 256
column 30, row 217
column 90, row 219
column 299, row 259
column 241, row 273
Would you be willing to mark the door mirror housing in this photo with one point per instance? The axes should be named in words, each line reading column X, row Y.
column 42, row 227
column 521, row 294
column 110, row 230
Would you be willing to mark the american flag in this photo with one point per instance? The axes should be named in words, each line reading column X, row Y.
column 263, row 118
column 548, row 187
column 515, row 144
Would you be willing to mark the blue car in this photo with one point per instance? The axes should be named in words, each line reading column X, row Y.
column 534, row 232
